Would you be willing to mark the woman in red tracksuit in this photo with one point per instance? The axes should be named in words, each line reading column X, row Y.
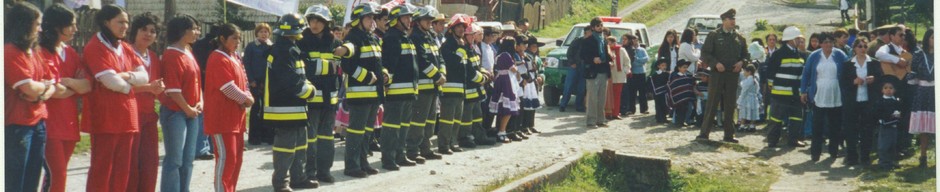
column 142, row 34
column 227, row 100
column 63, row 62
column 110, row 109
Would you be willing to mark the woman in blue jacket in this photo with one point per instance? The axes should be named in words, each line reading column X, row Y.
column 820, row 89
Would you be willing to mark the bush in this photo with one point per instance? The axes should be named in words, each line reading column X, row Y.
column 761, row 24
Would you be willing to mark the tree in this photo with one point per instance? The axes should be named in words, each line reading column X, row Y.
column 170, row 10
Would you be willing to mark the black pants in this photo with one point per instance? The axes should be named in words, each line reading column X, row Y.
column 661, row 108
column 830, row 118
column 845, row 15
column 634, row 93
column 257, row 133
column 859, row 131
column 785, row 113
column 906, row 94
column 681, row 112
column 527, row 118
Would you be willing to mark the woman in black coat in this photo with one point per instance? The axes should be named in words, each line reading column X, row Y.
column 861, row 72
column 669, row 50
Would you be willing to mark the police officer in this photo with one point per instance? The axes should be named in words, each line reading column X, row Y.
column 285, row 108
column 399, row 59
column 365, row 88
column 454, row 51
column 432, row 76
column 319, row 47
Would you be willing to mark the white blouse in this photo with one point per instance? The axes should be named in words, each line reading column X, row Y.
column 689, row 53
column 862, row 72
column 827, row 84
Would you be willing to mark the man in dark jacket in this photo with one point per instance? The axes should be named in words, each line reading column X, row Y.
column 725, row 51
column 431, row 78
column 286, row 110
column 319, row 46
column 399, row 59
column 597, row 63
column 574, row 80
column 365, row 88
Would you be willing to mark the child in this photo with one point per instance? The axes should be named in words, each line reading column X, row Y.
column 681, row 90
column 701, row 95
column 658, row 84
column 888, row 113
column 226, row 106
column 749, row 100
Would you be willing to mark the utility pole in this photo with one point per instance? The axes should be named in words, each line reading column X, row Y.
column 170, row 7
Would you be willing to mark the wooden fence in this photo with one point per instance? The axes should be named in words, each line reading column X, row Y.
column 539, row 13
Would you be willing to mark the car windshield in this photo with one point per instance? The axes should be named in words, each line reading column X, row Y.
column 704, row 25
column 579, row 31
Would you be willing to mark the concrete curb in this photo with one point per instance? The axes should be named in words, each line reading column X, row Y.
column 536, row 181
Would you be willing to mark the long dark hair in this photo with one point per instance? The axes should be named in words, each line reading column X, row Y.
column 910, row 40
column 926, row 44
column 809, row 45
column 139, row 22
column 225, row 31
column 675, row 39
column 18, row 25
column 176, row 28
column 107, row 13
column 56, row 18
column 687, row 36
column 508, row 45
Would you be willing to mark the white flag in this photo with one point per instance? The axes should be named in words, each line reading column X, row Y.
column 276, row 7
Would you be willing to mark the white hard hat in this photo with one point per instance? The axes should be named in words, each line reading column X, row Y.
column 791, row 33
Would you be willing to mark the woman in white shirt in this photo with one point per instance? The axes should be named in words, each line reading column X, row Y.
column 687, row 50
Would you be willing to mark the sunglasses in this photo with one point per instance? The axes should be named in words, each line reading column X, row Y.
column 862, row 46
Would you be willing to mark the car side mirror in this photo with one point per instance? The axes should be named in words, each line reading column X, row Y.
column 558, row 42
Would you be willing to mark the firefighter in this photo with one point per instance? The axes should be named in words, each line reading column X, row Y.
column 399, row 59
column 471, row 126
column 285, row 105
column 320, row 49
column 456, row 57
column 429, row 80
column 365, row 88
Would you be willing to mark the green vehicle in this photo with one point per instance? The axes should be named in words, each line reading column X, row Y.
column 558, row 63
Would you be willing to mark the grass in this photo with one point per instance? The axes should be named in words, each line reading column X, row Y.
column 748, row 175
column 657, row 11
column 581, row 12
column 908, row 178
column 584, row 177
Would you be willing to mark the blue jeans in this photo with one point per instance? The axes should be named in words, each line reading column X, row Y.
column 179, row 142
column 24, row 156
column 203, row 146
column 887, row 145
column 574, row 82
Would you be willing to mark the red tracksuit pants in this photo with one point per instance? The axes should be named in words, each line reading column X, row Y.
column 58, row 153
column 110, row 161
column 612, row 109
column 146, row 160
column 228, row 162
